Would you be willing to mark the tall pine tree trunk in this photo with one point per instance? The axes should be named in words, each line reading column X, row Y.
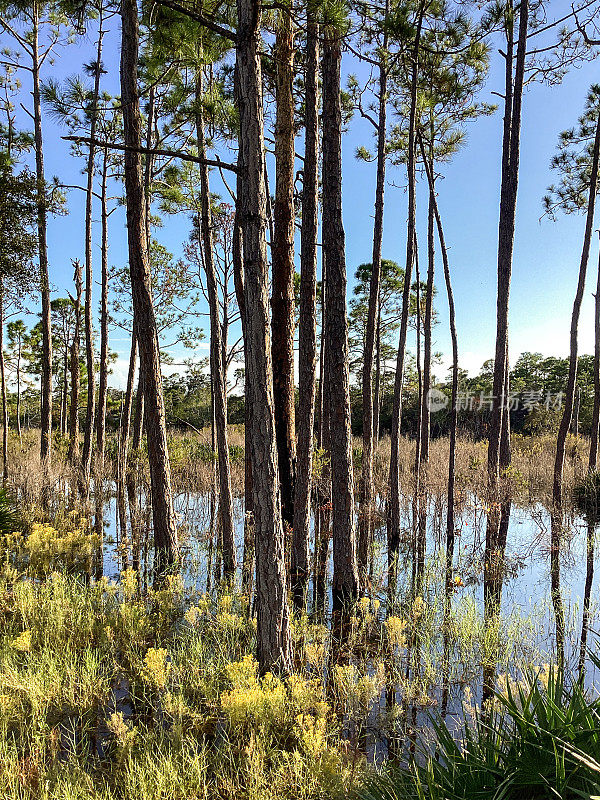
column 3, row 388
column 217, row 363
column 307, row 335
column 282, row 254
column 88, row 434
column 595, row 432
column 103, row 379
column 506, row 233
column 74, row 406
column 273, row 618
column 428, row 322
column 367, row 489
column 498, row 449
column 238, row 280
column 165, row 531
column 345, row 568
column 394, row 511
column 46, row 378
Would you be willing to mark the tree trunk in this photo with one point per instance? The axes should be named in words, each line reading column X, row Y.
column 282, row 256
column 46, row 377
column 74, row 407
column 273, row 619
column 565, row 422
column 377, row 387
column 3, row 387
column 88, row 436
column 450, row 532
column 506, row 233
column 125, row 425
column 322, row 530
column 65, row 387
column 506, row 230
column 238, row 276
column 103, row 380
column 218, row 365
column 595, row 432
column 367, row 490
column 19, row 348
column 307, row 335
column 345, row 568
column 165, row 532
column 394, row 511
column 428, row 322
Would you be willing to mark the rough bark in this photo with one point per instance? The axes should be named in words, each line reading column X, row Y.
column 323, row 518
column 307, row 334
column 282, row 256
column 165, row 532
column 345, row 568
column 273, row 618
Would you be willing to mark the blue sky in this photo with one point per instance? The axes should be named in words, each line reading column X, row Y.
column 546, row 253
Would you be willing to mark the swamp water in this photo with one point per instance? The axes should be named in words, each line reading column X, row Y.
column 438, row 666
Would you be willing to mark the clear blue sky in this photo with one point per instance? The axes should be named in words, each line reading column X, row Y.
column 546, row 253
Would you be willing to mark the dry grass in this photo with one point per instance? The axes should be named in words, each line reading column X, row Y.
column 529, row 479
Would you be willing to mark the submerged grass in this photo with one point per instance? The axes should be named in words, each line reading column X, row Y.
column 107, row 694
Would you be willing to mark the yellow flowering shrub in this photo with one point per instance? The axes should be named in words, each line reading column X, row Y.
column 157, row 667
column 269, row 702
column 48, row 548
column 22, row 642
column 231, row 623
column 129, row 583
column 418, row 607
column 356, row 691
column 225, row 603
column 395, row 631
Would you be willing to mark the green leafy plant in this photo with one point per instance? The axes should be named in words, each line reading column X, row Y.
column 537, row 739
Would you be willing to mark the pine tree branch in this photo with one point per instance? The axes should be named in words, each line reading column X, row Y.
column 153, row 151
column 213, row 26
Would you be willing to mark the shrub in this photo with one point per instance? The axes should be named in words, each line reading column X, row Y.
column 537, row 739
